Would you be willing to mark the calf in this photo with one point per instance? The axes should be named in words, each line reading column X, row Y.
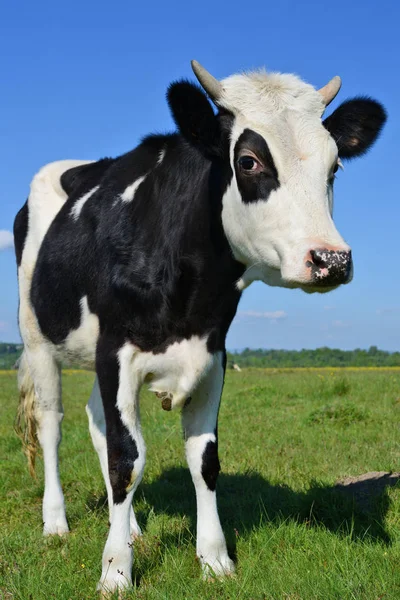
column 135, row 266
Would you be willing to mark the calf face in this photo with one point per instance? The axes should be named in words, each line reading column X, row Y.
column 279, row 161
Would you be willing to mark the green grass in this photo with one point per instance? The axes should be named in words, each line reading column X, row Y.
column 286, row 437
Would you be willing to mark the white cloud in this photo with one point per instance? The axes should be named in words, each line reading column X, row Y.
column 387, row 311
column 340, row 324
column 6, row 239
column 272, row 316
column 329, row 307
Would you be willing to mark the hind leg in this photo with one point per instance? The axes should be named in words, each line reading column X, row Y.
column 97, row 428
column 46, row 376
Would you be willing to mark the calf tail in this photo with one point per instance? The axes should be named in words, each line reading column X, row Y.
column 25, row 421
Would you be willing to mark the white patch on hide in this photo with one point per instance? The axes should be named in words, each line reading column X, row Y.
column 78, row 205
column 129, row 193
column 161, row 156
column 128, row 388
column 80, row 344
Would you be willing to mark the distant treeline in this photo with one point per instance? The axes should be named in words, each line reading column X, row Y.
column 321, row 357
column 9, row 354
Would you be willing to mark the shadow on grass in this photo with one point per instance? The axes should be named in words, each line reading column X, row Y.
column 247, row 500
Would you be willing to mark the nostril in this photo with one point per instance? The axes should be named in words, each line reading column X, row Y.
column 317, row 258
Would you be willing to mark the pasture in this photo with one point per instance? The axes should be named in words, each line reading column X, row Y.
column 285, row 438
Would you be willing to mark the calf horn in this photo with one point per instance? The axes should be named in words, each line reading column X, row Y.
column 211, row 85
column 329, row 91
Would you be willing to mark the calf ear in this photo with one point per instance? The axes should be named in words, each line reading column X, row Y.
column 193, row 115
column 355, row 126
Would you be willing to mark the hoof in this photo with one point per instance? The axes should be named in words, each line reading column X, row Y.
column 108, row 587
column 108, row 594
column 217, row 568
column 57, row 528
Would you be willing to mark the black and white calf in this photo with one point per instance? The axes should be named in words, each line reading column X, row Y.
column 136, row 265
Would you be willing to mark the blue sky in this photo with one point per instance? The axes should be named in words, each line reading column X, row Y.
column 88, row 79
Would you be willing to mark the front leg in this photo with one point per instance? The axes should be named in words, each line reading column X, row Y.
column 126, row 456
column 97, row 428
column 199, row 421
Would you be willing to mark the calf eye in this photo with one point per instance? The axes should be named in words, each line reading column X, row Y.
column 332, row 177
column 248, row 163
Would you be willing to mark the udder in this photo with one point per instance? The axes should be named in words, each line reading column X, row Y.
column 175, row 374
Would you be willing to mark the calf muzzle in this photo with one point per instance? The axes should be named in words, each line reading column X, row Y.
column 330, row 267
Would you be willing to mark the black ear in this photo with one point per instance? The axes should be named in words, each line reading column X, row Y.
column 355, row 126
column 193, row 115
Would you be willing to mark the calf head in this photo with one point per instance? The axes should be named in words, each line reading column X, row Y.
column 279, row 160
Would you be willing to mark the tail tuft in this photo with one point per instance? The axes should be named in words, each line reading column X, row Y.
column 25, row 424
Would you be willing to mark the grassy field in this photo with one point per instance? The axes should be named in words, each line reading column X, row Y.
column 286, row 438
